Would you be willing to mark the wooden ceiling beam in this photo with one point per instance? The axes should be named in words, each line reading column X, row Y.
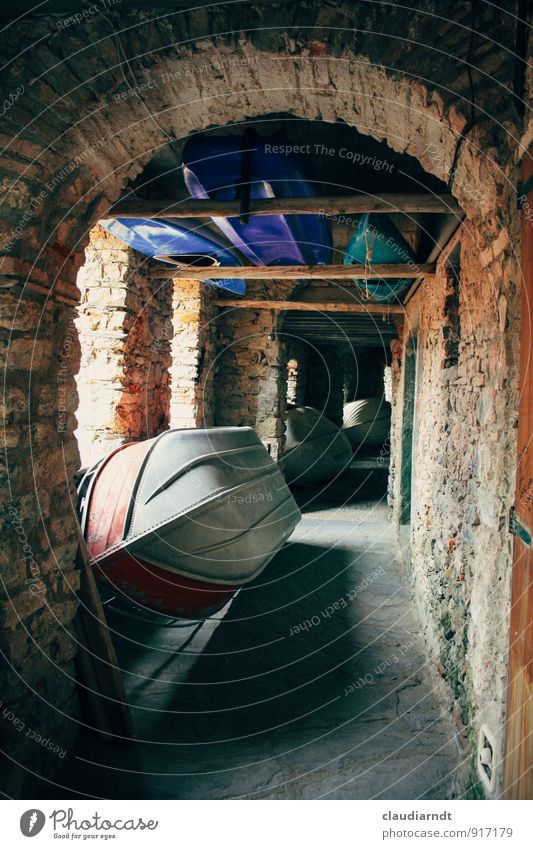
column 333, row 306
column 294, row 272
column 330, row 205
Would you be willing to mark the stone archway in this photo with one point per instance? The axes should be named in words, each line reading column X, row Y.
column 87, row 126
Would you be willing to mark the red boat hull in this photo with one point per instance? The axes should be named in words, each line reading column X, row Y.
column 178, row 523
column 144, row 583
column 155, row 588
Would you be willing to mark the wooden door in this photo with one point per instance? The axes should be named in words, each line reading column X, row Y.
column 518, row 765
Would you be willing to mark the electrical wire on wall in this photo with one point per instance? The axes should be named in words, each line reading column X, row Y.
column 473, row 118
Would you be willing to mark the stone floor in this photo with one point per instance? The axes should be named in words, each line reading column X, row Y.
column 313, row 684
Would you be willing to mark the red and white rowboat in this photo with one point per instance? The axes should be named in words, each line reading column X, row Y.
column 180, row 522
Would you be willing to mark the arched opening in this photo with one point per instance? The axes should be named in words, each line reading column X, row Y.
column 144, row 136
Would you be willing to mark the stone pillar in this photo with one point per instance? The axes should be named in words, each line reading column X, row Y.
column 193, row 345
column 125, row 331
column 40, row 353
column 296, row 372
column 251, row 382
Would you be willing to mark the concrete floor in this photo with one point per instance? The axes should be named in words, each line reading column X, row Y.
column 253, row 705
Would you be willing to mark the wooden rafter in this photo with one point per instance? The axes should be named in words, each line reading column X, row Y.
column 330, row 205
column 295, row 272
column 308, row 306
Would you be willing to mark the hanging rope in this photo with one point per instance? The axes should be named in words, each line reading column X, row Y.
column 369, row 247
column 473, row 117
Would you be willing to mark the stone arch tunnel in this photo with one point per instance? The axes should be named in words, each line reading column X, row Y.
column 408, row 559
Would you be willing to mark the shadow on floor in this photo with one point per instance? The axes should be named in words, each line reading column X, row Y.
column 313, row 683
column 361, row 490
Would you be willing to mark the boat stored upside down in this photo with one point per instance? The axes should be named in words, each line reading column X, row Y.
column 180, row 522
column 366, row 422
column 316, row 449
column 185, row 244
column 229, row 167
column 378, row 240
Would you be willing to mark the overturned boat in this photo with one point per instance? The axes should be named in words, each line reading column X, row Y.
column 250, row 168
column 180, row 522
column 187, row 244
column 315, row 449
column 377, row 240
column 366, row 422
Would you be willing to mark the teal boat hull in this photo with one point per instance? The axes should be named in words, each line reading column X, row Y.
column 377, row 235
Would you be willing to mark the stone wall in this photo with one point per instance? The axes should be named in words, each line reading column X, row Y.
column 125, row 328
column 40, row 350
column 193, row 350
column 464, row 455
column 251, row 381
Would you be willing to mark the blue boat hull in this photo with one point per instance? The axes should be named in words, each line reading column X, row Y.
column 212, row 168
column 378, row 234
column 167, row 241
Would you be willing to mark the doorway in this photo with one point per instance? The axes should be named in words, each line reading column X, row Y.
column 408, row 431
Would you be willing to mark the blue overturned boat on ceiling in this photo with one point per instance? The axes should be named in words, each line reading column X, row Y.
column 182, row 244
column 378, row 241
column 252, row 168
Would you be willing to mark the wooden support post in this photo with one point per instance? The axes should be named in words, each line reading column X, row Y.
column 102, row 689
